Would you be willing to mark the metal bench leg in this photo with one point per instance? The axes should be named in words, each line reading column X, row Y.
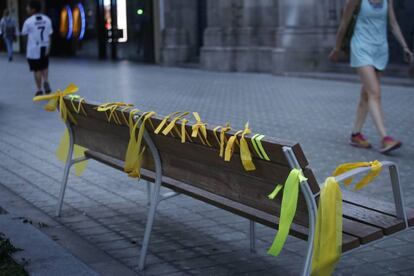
column 155, row 196
column 68, row 164
column 148, row 193
column 148, row 227
column 252, row 237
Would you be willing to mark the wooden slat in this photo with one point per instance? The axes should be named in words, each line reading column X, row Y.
column 264, row 169
column 365, row 233
column 297, row 230
column 387, row 223
column 272, row 145
column 374, row 204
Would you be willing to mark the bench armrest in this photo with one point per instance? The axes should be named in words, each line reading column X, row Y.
column 395, row 181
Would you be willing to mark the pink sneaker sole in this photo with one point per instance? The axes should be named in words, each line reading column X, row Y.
column 390, row 148
column 359, row 145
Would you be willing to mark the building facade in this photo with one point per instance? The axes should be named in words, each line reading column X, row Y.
column 272, row 36
column 262, row 35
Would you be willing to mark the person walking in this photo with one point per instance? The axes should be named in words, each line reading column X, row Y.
column 38, row 28
column 369, row 55
column 8, row 29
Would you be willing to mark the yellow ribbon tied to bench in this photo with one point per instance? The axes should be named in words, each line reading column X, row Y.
column 55, row 100
column 327, row 246
column 135, row 150
column 200, row 130
column 288, row 208
column 245, row 155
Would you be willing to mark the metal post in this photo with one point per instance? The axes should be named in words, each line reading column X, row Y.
column 398, row 194
column 148, row 193
column 312, row 209
column 66, row 171
column 252, row 237
column 154, row 199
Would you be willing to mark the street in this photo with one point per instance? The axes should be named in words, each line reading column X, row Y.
column 108, row 209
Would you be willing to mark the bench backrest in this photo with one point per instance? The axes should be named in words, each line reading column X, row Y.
column 199, row 165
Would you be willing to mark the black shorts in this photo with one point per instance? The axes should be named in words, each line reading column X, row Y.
column 39, row 64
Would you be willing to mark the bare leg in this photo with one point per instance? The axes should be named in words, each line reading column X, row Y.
column 362, row 111
column 370, row 82
column 45, row 75
column 38, row 80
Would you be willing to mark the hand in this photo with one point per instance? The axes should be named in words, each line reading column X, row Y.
column 408, row 55
column 334, row 55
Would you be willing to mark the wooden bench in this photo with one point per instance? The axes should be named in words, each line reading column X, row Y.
column 196, row 170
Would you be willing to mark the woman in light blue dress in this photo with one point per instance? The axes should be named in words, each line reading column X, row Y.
column 369, row 55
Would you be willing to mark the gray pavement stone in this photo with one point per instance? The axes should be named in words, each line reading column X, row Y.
column 109, row 209
column 43, row 256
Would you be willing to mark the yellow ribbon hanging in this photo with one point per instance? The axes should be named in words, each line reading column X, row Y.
column 327, row 247
column 200, row 127
column 258, row 147
column 245, row 154
column 230, row 146
column 111, row 108
column 56, row 99
column 78, row 152
column 376, row 168
column 222, row 141
column 135, row 151
column 288, row 208
column 184, row 133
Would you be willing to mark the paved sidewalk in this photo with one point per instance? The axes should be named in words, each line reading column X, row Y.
column 108, row 209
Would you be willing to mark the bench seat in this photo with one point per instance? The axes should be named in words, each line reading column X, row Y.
column 361, row 223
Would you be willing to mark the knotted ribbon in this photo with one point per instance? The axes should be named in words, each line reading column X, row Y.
column 111, row 108
column 135, row 150
column 222, row 140
column 200, row 127
column 376, row 168
column 327, row 248
column 288, row 208
column 56, row 99
column 245, row 154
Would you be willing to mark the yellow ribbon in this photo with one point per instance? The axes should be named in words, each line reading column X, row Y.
column 288, row 208
column 164, row 121
column 135, row 151
column 78, row 152
column 172, row 125
column 200, row 127
column 223, row 138
column 230, row 146
column 56, row 99
column 112, row 107
column 327, row 247
column 79, row 107
column 376, row 168
column 245, row 154
column 184, row 133
column 258, row 147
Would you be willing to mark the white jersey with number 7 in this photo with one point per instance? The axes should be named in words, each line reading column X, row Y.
column 38, row 28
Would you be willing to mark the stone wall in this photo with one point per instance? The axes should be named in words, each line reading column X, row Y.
column 263, row 35
column 180, row 33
